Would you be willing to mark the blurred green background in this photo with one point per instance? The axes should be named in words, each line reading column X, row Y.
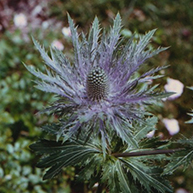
column 47, row 22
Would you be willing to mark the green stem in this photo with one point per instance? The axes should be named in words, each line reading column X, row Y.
column 148, row 152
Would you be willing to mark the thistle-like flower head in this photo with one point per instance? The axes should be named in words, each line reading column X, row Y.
column 99, row 91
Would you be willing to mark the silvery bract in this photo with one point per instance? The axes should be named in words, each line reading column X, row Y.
column 100, row 92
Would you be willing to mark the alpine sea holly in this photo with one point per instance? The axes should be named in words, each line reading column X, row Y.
column 99, row 91
column 103, row 111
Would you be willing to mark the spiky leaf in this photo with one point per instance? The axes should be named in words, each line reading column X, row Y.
column 61, row 155
column 183, row 157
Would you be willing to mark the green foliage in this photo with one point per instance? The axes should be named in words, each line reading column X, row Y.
column 61, row 155
column 18, row 122
column 182, row 158
column 117, row 173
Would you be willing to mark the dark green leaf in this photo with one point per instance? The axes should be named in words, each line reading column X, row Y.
column 61, row 155
column 149, row 177
column 123, row 180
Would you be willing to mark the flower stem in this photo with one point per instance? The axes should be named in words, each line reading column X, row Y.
column 148, row 152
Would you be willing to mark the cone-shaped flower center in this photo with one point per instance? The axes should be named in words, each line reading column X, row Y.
column 97, row 84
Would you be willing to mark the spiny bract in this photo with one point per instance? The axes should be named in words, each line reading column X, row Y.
column 99, row 91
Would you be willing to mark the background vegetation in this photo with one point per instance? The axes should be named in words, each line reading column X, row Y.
column 20, row 101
